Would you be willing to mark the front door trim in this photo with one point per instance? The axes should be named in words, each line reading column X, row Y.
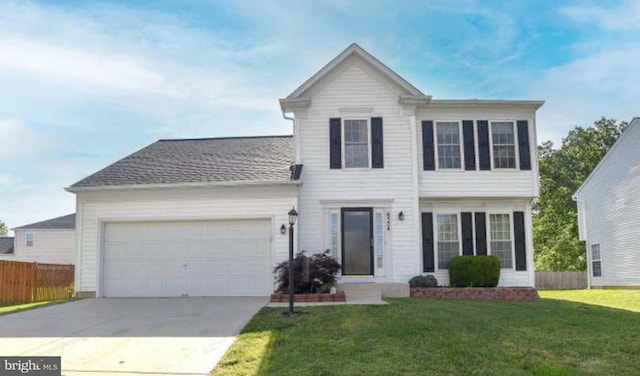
column 342, row 242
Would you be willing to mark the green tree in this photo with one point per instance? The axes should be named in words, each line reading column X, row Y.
column 3, row 229
column 562, row 171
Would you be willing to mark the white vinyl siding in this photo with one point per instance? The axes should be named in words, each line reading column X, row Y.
column 501, row 239
column 596, row 261
column 610, row 203
column 356, row 143
column 503, row 145
column 186, row 204
column 448, row 243
column 508, row 276
column 448, row 140
column 51, row 246
column 496, row 183
column 357, row 91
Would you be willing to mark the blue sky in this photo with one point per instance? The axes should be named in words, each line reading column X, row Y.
column 84, row 84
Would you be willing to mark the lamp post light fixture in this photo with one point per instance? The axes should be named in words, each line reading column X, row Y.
column 293, row 215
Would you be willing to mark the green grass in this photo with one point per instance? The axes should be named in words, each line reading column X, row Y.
column 8, row 309
column 623, row 299
column 439, row 337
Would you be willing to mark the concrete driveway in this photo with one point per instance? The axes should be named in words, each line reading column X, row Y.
column 173, row 336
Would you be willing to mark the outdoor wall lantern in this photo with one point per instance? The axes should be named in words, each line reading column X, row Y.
column 401, row 216
column 283, row 229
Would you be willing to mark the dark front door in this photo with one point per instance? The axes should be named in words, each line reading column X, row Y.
column 357, row 241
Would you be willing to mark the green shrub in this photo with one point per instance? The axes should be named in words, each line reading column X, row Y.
column 474, row 271
column 423, row 281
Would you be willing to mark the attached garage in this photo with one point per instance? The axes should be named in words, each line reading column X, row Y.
column 187, row 258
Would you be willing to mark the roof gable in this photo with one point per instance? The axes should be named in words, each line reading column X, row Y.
column 59, row 223
column 355, row 50
column 634, row 123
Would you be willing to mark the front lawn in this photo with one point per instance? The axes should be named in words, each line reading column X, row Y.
column 433, row 337
column 623, row 299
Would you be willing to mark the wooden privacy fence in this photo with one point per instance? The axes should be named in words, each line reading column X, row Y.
column 561, row 280
column 25, row 282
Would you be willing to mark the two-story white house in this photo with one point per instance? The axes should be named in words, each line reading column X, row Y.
column 392, row 181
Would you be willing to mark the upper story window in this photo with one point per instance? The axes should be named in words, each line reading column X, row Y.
column 448, row 240
column 356, row 143
column 596, row 261
column 504, row 144
column 448, row 138
column 501, row 244
column 29, row 239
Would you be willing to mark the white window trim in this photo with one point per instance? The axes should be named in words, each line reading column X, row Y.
column 343, row 143
column 460, row 145
column 515, row 140
column 435, row 237
column 591, row 260
column 328, row 236
column 511, row 235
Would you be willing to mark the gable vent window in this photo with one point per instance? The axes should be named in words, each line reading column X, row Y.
column 448, row 137
column 596, row 261
column 29, row 239
column 356, row 143
column 504, row 144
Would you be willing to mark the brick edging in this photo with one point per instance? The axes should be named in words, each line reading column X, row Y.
column 483, row 293
column 310, row 298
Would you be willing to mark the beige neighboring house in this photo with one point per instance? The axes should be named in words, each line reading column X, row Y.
column 47, row 242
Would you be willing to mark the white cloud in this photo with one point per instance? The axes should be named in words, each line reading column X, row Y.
column 623, row 17
column 62, row 62
column 18, row 141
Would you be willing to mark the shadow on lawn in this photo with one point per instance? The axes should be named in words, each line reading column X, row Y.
column 418, row 335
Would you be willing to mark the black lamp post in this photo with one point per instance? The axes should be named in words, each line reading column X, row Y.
column 293, row 215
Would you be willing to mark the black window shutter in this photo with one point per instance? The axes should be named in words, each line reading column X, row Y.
column 481, row 233
column 523, row 145
column 335, row 141
column 377, row 151
column 483, row 145
column 469, row 145
column 428, row 263
column 428, row 155
column 467, row 233
column 520, row 244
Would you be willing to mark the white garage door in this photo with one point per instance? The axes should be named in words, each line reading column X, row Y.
column 205, row 258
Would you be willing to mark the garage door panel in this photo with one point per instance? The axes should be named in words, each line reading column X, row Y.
column 204, row 258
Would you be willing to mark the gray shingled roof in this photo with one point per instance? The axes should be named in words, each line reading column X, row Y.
column 6, row 245
column 64, row 222
column 239, row 159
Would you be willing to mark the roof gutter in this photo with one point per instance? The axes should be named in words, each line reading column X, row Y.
column 184, row 185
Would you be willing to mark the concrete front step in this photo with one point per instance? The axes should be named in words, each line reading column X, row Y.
column 374, row 290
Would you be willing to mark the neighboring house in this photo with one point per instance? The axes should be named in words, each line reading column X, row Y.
column 609, row 214
column 47, row 242
column 6, row 247
column 393, row 182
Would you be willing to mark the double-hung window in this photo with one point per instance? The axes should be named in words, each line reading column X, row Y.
column 501, row 244
column 448, row 137
column 29, row 239
column 596, row 261
column 504, row 144
column 356, row 143
column 448, row 239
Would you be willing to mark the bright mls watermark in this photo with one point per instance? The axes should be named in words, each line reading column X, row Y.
column 30, row 365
